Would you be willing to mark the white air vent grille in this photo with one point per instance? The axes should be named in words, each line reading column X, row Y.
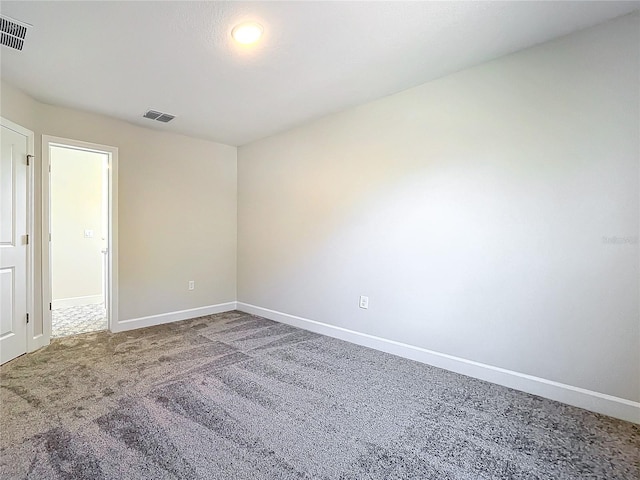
column 159, row 116
column 12, row 32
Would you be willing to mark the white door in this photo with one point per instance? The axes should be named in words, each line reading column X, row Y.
column 13, row 243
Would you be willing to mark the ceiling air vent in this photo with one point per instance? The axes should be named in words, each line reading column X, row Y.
column 159, row 116
column 12, row 32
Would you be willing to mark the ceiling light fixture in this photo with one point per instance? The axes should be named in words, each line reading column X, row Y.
column 247, row 33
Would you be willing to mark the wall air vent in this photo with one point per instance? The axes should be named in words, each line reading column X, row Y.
column 159, row 116
column 12, row 32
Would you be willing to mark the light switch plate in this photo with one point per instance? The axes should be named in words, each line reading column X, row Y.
column 364, row 302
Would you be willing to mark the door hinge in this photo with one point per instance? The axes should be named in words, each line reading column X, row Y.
column 27, row 318
column 29, row 157
column 27, row 238
column 49, row 305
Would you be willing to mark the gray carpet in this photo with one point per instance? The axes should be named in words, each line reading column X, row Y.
column 233, row 396
column 78, row 319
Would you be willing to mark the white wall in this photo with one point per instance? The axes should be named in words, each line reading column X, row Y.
column 177, row 208
column 471, row 210
column 76, row 206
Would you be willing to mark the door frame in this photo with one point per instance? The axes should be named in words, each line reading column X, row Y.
column 112, row 238
column 33, row 342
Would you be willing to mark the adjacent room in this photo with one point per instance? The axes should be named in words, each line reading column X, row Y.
column 322, row 240
column 78, row 241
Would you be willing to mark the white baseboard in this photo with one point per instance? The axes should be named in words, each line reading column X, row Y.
column 77, row 301
column 576, row 396
column 150, row 321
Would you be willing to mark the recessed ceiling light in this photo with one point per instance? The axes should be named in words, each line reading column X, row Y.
column 247, row 33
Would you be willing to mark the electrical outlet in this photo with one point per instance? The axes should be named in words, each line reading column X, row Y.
column 364, row 302
column 192, row 284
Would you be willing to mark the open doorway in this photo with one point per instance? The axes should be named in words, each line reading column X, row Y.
column 79, row 214
column 79, row 232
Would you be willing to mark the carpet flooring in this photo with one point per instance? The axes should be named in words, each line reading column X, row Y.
column 234, row 396
column 78, row 319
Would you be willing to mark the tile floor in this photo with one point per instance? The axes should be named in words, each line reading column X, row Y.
column 80, row 319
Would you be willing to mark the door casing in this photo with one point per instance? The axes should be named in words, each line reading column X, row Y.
column 112, row 240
